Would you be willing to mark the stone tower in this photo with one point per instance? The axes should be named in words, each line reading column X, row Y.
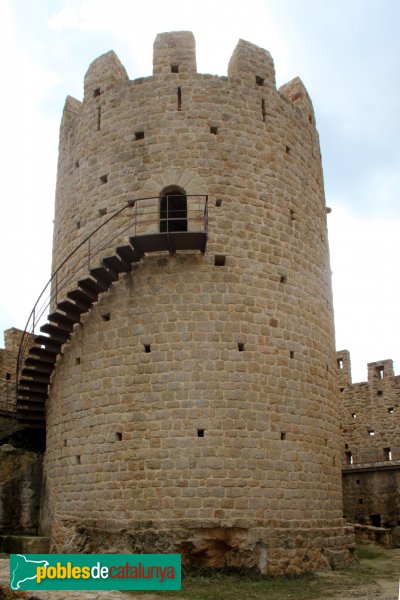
column 193, row 408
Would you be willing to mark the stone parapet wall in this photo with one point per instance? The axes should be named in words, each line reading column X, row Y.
column 8, row 363
column 370, row 422
column 370, row 414
column 20, row 489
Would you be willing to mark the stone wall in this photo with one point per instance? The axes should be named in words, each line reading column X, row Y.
column 20, row 488
column 8, row 361
column 370, row 413
column 370, row 422
column 195, row 407
column 372, row 497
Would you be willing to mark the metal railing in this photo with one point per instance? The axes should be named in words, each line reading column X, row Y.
column 140, row 217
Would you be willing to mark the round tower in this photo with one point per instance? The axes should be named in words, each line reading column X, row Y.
column 193, row 408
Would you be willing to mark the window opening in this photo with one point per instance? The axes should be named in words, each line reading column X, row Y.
column 219, row 260
column 179, row 92
column 173, row 210
column 349, row 458
column 263, row 112
column 388, row 453
column 375, row 520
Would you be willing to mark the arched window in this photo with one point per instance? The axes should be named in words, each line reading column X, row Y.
column 173, row 209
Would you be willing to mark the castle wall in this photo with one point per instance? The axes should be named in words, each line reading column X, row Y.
column 370, row 414
column 20, row 485
column 8, row 361
column 371, row 450
column 194, row 410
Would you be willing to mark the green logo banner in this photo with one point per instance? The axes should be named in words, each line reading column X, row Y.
column 95, row 572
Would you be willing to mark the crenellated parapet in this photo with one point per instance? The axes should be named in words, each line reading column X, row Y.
column 370, row 413
column 104, row 73
column 296, row 93
column 108, row 140
column 251, row 65
column 370, row 424
column 174, row 52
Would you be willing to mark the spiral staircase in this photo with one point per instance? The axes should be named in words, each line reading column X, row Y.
column 69, row 295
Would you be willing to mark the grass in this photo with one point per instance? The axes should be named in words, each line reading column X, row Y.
column 375, row 564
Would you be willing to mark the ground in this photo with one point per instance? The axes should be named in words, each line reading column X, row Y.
column 374, row 577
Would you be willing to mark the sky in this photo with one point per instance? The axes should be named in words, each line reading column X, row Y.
column 347, row 52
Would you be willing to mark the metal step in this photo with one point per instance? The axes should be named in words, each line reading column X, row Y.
column 60, row 335
column 41, row 366
column 27, row 424
column 116, row 264
column 129, row 254
column 35, row 375
column 48, row 343
column 32, row 395
column 82, row 298
column 31, row 384
column 36, row 405
column 92, row 286
column 44, row 355
column 31, row 403
column 28, row 414
column 70, row 309
column 62, row 321
column 104, row 275
column 137, row 248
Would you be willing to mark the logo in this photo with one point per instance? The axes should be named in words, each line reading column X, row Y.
column 95, row 572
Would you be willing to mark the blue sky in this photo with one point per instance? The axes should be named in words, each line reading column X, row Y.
column 347, row 52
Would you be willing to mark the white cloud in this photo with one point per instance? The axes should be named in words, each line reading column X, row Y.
column 28, row 155
column 217, row 27
column 366, row 287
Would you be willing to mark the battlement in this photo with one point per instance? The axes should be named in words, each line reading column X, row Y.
column 370, row 422
column 104, row 73
column 174, row 52
column 174, row 58
column 377, row 371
